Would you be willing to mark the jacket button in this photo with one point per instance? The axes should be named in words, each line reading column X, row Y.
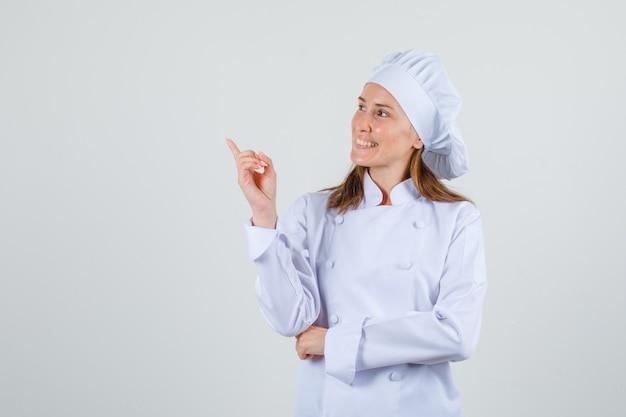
column 405, row 265
column 419, row 224
column 339, row 219
column 329, row 264
column 395, row 376
column 334, row 319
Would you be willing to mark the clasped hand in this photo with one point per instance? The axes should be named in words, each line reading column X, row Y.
column 311, row 342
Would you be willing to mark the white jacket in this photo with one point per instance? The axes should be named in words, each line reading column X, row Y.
column 399, row 287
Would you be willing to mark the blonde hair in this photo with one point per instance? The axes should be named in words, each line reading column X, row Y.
column 349, row 194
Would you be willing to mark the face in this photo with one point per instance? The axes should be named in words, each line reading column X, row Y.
column 383, row 138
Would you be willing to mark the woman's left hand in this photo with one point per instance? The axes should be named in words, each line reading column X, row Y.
column 311, row 342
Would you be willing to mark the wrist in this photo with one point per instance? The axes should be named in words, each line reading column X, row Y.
column 266, row 220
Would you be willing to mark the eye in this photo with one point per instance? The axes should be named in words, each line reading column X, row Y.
column 361, row 107
column 383, row 113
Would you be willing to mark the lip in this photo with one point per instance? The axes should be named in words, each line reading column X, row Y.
column 364, row 144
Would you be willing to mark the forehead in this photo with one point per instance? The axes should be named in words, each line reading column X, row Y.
column 376, row 93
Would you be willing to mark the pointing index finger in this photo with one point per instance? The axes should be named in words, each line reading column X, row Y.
column 233, row 147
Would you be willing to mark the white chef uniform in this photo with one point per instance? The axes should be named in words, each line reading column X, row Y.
column 400, row 288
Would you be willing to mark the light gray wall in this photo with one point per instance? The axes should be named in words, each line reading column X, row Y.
column 124, row 287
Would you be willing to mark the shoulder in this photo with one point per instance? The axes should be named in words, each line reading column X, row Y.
column 457, row 208
column 316, row 201
column 460, row 214
column 307, row 209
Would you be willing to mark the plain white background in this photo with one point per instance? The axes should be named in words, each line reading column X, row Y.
column 124, row 286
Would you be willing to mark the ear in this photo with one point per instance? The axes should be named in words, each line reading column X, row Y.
column 418, row 144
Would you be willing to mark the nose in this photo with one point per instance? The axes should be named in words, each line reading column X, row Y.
column 361, row 122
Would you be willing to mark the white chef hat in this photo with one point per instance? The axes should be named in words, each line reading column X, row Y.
column 420, row 84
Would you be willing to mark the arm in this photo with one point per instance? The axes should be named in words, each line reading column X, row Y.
column 286, row 285
column 447, row 333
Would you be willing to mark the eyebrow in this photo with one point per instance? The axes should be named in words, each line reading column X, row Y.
column 376, row 104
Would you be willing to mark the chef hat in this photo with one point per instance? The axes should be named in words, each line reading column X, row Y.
column 420, row 84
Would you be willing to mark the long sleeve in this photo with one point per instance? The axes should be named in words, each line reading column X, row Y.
column 286, row 286
column 448, row 332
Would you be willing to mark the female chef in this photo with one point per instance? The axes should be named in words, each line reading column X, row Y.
column 381, row 279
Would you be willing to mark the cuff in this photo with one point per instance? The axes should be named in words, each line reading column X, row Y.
column 341, row 349
column 258, row 239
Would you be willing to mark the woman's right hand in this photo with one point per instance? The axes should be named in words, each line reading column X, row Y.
column 257, row 180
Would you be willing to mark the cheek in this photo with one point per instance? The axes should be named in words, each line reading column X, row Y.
column 380, row 132
column 409, row 137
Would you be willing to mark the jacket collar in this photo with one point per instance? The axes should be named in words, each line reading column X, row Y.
column 400, row 194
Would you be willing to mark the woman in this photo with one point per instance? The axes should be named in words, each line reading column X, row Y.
column 382, row 278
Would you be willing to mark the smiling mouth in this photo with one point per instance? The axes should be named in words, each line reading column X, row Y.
column 361, row 142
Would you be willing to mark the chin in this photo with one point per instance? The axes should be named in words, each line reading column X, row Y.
column 358, row 161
